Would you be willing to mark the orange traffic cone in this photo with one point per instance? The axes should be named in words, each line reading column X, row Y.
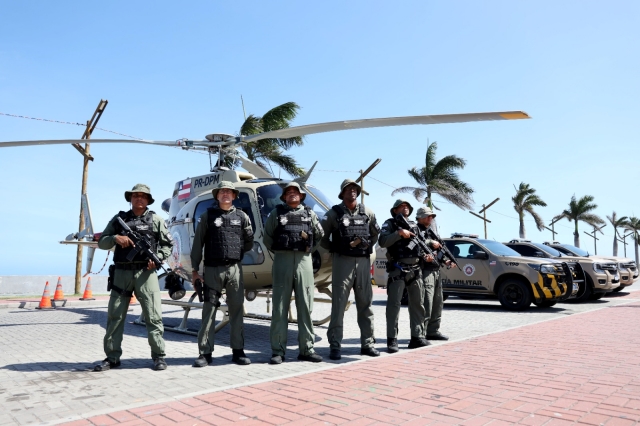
column 58, row 295
column 88, row 294
column 45, row 302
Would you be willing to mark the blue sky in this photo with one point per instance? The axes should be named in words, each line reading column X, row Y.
column 171, row 71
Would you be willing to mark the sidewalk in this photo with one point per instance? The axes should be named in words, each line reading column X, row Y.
column 583, row 368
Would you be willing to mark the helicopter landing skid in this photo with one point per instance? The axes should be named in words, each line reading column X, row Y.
column 291, row 318
column 187, row 306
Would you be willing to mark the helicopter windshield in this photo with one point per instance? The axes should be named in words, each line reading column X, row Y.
column 269, row 198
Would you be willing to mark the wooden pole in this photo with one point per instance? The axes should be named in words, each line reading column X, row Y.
column 91, row 125
column 81, row 226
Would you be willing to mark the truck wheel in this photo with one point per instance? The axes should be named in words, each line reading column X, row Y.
column 596, row 296
column 545, row 304
column 585, row 293
column 514, row 295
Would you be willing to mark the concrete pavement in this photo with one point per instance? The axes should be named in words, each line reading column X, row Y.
column 572, row 363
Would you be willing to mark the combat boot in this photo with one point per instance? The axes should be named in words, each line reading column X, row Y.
column 106, row 365
column 334, row 354
column 437, row 336
column 417, row 342
column 276, row 359
column 203, row 360
column 392, row 345
column 240, row 358
column 159, row 364
column 369, row 351
column 311, row 357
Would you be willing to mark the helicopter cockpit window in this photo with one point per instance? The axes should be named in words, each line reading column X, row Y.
column 269, row 198
column 256, row 255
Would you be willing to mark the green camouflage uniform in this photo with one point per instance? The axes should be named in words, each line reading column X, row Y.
column 398, row 281
column 292, row 272
column 144, row 284
column 218, row 278
column 350, row 272
column 433, row 301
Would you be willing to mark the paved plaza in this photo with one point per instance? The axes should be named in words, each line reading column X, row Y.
column 568, row 363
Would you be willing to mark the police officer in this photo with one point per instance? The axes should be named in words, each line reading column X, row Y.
column 292, row 232
column 353, row 230
column 403, row 266
column 137, row 276
column 226, row 234
column 431, row 276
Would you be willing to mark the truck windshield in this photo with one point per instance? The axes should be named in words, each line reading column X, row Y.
column 498, row 249
column 548, row 250
column 269, row 198
column 575, row 250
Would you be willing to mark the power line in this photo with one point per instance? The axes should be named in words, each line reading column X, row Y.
column 69, row 123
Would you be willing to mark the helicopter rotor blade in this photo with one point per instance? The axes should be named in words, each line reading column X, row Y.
column 78, row 141
column 253, row 168
column 385, row 122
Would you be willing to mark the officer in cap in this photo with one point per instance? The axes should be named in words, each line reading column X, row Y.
column 403, row 267
column 292, row 232
column 350, row 232
column 225, row 233
column 433, row 300
column 136, row 276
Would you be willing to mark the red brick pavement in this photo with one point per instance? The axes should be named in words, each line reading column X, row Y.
column 581, row 369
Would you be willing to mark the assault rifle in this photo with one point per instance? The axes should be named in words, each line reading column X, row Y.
column 416, row 239
column 141, row 244
column 197, row 286
column 445, row 249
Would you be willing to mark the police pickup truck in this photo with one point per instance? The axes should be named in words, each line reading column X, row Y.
column 491, row 269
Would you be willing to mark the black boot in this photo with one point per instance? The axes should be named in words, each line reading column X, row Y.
column 276, row 359
column 437, row 336
column 106, row 365
column 203, row 360
column 334, row 354
column 417, row 342
column 370, row 351
column 159, row 364
column 311, row 357
column 240, row 358
column 392, row 345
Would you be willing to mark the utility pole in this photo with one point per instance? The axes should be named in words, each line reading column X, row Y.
column 361, row 179
column 484, row 215
column 624, row 241
column 593, row 235
column 91, row 125
column 552, row 229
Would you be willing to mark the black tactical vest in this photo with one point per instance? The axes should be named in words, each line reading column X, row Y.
column 291, row 224
column 404, row 248
column 224, row 236
column 143, row 225
column 350, row 228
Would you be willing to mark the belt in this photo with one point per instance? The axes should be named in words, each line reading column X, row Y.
column 409, row 261
column 221, row 262
column 131, row 266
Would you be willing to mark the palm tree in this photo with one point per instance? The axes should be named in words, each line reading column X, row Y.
column 633, row 225
column 266, row 151
column 579, row 211
column 523, row 202
column 439, row 178
column 617, row 223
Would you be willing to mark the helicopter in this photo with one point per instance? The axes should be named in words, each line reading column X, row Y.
column 259, row 194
